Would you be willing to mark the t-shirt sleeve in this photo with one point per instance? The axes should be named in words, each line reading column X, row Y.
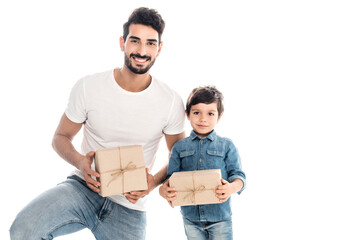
column 76, row 109
column 176, row 118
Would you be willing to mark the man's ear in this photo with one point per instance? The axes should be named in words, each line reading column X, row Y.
column 159, row 50
column 122, row 43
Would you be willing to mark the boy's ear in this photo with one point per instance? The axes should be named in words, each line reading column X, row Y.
column 220, row 116
column 187, row 115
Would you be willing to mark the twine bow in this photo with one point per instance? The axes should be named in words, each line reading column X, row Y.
column 192, row 193
column 116, row 173
column 120, row 172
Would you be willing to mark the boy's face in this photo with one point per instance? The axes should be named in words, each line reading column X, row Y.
column 203, row 118
column 141, row 48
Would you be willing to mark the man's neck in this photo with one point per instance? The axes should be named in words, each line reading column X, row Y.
column 130, row 81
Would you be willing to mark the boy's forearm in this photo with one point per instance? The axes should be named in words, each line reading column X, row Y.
column 237, row 185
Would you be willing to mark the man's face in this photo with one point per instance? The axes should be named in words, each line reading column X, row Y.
column 141, row 48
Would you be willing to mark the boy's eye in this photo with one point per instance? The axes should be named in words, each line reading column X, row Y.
column 196, row 113
column 211, row 114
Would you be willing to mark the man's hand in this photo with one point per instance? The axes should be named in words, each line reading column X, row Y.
column 87, row 172
column 167, row 192
column 134, row 196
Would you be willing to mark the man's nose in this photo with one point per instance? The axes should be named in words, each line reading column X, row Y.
column 141, row 49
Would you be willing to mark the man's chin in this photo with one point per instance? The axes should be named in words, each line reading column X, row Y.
column 139, row 71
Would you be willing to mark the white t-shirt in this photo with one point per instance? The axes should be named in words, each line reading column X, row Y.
column 114, row 117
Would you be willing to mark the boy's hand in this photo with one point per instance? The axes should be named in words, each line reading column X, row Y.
column 134, row 196
column 167, row 192
column 224, row 191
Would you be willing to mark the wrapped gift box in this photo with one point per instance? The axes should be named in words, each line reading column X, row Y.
column 195, row 187
column 122, row 169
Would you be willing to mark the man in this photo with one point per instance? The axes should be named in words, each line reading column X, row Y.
column 124, row 106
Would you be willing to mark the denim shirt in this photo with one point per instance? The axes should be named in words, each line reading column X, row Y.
column 213, row 152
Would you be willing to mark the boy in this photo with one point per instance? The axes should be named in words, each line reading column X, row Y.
column 206, row 150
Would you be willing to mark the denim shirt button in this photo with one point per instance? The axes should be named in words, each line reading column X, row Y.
column 200, row 160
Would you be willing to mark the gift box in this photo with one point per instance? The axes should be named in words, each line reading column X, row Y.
column 121, row 169
column 195, row 187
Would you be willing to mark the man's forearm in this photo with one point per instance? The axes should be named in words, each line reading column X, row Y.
column 160, row 176
column 66, row 150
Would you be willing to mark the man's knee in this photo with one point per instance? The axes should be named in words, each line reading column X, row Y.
column 28, row 224
column 25, row 229
column 19, row 229
column 15, row 231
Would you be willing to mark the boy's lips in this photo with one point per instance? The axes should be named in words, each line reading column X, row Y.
column 202, row 126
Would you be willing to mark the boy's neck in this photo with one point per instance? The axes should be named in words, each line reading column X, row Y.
column 202, row 136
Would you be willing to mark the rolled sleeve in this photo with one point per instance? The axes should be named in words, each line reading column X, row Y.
column 232, row 178
column 233, row 165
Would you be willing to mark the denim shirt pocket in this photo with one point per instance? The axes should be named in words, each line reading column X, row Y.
column 188, row 160
column 215, row 158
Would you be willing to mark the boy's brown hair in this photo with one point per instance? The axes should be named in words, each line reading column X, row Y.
column 207, row 95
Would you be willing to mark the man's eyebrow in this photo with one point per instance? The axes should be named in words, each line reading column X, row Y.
column 137, row 38
column 133, row 37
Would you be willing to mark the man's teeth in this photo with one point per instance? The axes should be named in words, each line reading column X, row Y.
column 140, row 60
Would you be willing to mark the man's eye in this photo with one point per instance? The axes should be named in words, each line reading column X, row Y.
column 151, row 44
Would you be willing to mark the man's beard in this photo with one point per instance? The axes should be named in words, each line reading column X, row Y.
column 138, row 70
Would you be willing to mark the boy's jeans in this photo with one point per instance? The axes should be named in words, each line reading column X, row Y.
column 208, row 230
column 72, row 206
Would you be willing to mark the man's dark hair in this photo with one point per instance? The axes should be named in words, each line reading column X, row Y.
column 147, row 17
column 207, row 95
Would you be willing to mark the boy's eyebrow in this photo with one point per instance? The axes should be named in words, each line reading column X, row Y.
column 211, row 110
column 137, row 38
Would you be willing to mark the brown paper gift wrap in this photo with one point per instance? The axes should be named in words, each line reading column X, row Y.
column 195, row 187
column 121, row 169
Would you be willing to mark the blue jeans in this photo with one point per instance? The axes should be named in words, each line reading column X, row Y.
column 72, row 206
column 208, row 230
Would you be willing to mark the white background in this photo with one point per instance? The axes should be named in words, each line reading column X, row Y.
column 289, row 71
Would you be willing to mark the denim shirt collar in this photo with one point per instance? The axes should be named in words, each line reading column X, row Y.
column 211, row 136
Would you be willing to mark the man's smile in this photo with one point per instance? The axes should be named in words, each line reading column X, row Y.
column 139, row 59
